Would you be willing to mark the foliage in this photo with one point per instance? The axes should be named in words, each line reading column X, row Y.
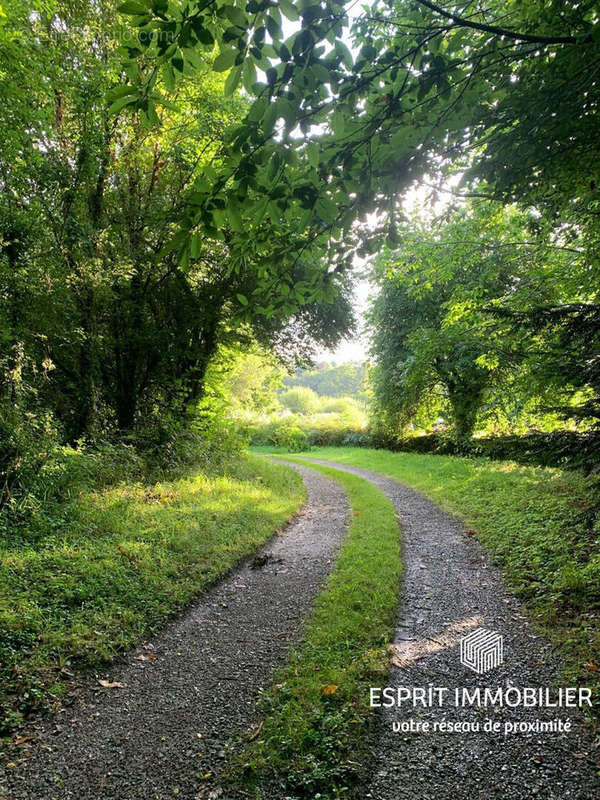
column 331, row 135
column 344, row 380
column 472, row 323
column 540, row 525
column 92, row 575
column 300, row 400
column 28, row 440
column 116, row 330
column 422, row 85
column 241, row 381
column 559, row 448
column 314, row 739
column 326, row 426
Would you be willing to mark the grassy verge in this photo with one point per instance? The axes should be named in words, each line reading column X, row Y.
column 539, row 525
column 121, row 561
column 314, row 738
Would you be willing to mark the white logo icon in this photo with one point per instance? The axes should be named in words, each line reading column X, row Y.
column 481, row 650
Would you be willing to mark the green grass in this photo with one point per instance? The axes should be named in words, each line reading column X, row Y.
column 314, row 738
column 538, row 524
column 118, row 564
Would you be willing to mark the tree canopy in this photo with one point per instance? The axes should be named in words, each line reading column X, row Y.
column 347, row 113
column 101, row 321
column 200, row 173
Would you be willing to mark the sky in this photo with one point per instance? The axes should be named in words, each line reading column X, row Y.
column 416, row 201
column 354, row 349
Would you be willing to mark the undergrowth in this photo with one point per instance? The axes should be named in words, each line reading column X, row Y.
column 112, row 554
column 314, row 739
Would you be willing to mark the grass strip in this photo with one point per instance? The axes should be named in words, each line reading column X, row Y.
column 118, row 564
column 540, row 525
column 314, row 739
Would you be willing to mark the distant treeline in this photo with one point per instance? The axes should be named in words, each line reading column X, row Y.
column 331, row 381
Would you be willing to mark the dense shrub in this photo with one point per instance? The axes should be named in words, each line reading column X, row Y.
column 296, row 440
column 38, row 480
column 331, row 423
column 339, row 405
column 319, row 430
column 556, row 449
column 362, row 439
column 300, row 400
column 28, row 442
column 281, row 432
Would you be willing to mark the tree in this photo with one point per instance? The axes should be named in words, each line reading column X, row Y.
column 469, row 303
column 430, row 89
column 332, row 381
column 300, row 400
column 417, row 355
column 115, row 328
column 430, row 334
column 423, row 87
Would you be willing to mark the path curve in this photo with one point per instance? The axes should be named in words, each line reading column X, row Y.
column 450, row 587
column 143, row 741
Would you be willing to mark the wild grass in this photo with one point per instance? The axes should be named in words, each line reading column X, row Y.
column 78, row 589
column 317, row 717
column 539, row 524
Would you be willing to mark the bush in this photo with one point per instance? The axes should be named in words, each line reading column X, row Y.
column 296, row 440
column 300, row 400
column 207, row 440
column 357, row 440
column 557, row 449
column 340, row 405
column 28, row 446
column 320, row 430
column 281, row 432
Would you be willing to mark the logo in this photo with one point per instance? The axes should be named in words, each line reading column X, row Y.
column 481, row 650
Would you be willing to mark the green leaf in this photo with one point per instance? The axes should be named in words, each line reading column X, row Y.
column 162, row 101
column 121, row 103
column 326, row 209
column 344, row 54
column 195, row 244
column 184, row 258
column 269, row 119
column 289, row 10
column 149, row 116
column 133, row 7
column 168, row 77
column 258, row 109
column 236, row 16
column 193, row 57
column 242, row 299
column 269, row 51
column 248, row 75
column 312, row 151
column 233, row 80
column 224, row 60
column 205, row 37
column 235, row 220
column 119, row 91
column 219, row 218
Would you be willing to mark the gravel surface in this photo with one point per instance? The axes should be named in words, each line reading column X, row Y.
column 450, row 588
column 187, row 693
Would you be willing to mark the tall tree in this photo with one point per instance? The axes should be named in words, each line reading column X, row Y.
column 94, row 200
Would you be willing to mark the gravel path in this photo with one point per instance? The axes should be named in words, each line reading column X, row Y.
column 191, row 689
column 450, row 588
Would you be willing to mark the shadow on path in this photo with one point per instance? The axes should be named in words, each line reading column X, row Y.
column 185, row 694
column 451, row 588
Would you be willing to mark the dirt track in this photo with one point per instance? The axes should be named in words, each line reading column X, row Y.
column 450, row 588
column 193, row 687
